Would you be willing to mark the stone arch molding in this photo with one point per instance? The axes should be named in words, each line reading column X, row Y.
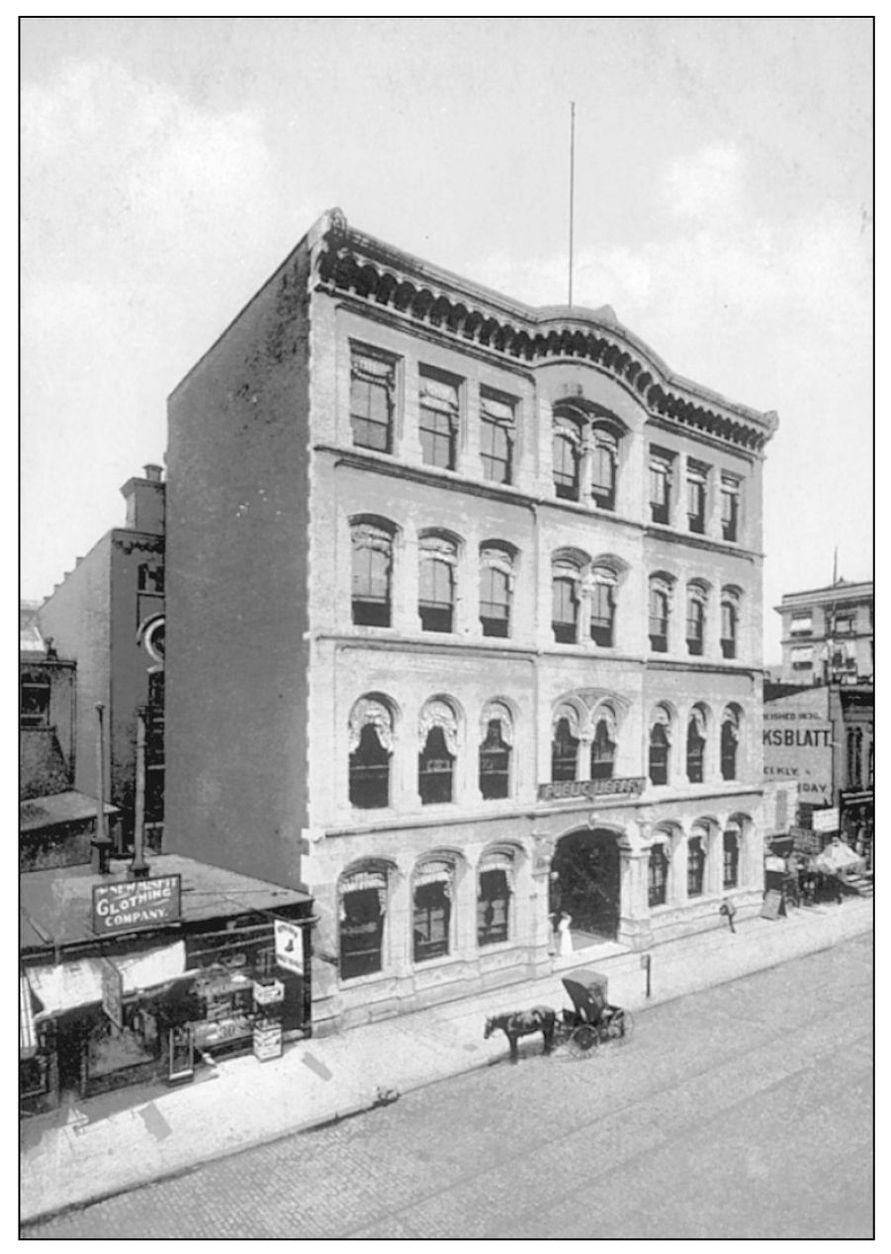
column 375, row 711
column 440, row 713
column 584, row 710
column 498, row 708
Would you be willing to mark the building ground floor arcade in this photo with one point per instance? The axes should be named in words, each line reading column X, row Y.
column 414, row 914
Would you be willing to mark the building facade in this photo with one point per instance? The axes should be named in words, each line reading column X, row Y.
column 107, row 615
column 464, row 599
column 828, row 634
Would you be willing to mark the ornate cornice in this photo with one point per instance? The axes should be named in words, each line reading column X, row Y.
column 380, row 276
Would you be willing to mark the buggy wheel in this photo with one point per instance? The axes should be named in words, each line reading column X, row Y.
column 583, row 1041
column 624, row 1026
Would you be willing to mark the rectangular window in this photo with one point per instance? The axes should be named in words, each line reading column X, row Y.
column 658, row 621
column 492, row 907
column 697, row 479
column 802, row 657
column 801, row 625
column 432, row 913
column 565, row 611
column 728, row 629
column 844, row 624
column 437, row 592
column 35, row 699
column 372, row 393
column 695, row 867
column 361, row 933
column 695, row 628
column 657, row 885
column 602, row 610
column 494, row 602
column 729, row 507
column 497, row 435
column 660, row 486
column 603, row 470
column 438, row 421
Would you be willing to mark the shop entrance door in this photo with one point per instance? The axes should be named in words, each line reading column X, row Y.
column 585, row 876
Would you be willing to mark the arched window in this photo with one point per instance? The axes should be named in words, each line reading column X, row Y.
column 494, row 886
column 660, row 746
column 567, row 456
column 565, row 599
column 696, row 853
column 438, row 420
column 564, row 752
column 603, row 751
column 696, row 745
column 729, row 625
column 603, row 606
column 439, row 750
column 657, row 876
column 732, row 838
column 372, row 547
column 729, row 742
column 695, row 620
column 362, row 897
column 436, row 601
column 660, row 608
column 432, row 893
column 497, row 435
column 496, row 589
column 371, row 747
column 495, row 750
column 605, row 459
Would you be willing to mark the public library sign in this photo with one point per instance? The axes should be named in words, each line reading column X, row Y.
column 591, row 789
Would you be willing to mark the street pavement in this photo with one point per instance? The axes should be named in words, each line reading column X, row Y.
column 95, row 1148
column 744, row 1111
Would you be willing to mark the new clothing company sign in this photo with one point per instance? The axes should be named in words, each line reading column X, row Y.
column 797, row 737
column 133, row 905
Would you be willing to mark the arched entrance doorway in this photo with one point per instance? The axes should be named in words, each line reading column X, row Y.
column 585, row 884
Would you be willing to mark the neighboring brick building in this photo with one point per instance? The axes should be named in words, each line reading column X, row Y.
column 107, row 616
column 828, row 634
column 465, row 608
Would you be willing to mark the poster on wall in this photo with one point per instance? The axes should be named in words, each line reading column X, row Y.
column 825, row 820
column 289, row 946
column 112, row 992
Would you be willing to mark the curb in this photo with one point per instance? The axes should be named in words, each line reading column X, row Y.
column 355, row 1109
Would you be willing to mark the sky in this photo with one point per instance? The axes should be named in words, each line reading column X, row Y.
column 723, row 208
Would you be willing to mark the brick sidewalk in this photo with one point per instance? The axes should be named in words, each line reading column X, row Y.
column 98, row 1148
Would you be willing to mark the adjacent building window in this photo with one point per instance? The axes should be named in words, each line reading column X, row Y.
column 657, row 876
column 661, row 468
column 495, row 751
column 439, row 751
column 729, row 742
column 695, row 621
column 855, row 756
column 372, row 556
column 604, row 464
column 565, row 602
column 729, row 625
column 603, row 752
column 34, row 689
column 603, row 606
column 436, row 603
column 564, row 752
column 660, row 606
column 695, row 866
column 567, row 458
column 154, row 749
column 438, row 421
column 844, row 624
column 371, row 749
column 731, row 858
column 660, row 746
column 432, row 910
column 493, row 898
column 696, row 746
column 802, row 657
column 496, row 587
column 150, row 578
column 363, row 907
column 372, row 392
column 497, row 437
column 801, row 625
column 729, row 507
column 697, row 480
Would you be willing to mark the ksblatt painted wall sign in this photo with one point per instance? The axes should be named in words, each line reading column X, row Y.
column 134, row 905
column 592, row 789
column 797, row 741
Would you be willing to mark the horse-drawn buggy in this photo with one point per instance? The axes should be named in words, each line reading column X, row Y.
column 592, row 1021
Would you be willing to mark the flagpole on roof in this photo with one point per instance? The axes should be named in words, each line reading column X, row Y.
column 571, row 187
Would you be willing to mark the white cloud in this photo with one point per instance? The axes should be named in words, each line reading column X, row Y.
column 707, row 182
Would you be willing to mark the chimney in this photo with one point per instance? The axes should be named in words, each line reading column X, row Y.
column 145, row 501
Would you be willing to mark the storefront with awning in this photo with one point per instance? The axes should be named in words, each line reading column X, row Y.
column 143, row 979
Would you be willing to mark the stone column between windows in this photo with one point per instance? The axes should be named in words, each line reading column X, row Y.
column 404, row 795
column 634, row 911
column 407, row 445
column 683, row 522
column 464, row 909
column 714, row 862
column 751, row 856
column 586, row 468
column 679, row 859
column 711, row 642
column 713, row 503
column 398, row 923
column 467, row 584
column 407, row 583
column 677, row 508
column 470, row 444
column 711, row 766
column 545, row 460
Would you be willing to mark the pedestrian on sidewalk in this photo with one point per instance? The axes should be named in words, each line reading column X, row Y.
column 564, row 948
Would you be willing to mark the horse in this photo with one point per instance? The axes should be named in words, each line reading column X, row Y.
column 517, row 1023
